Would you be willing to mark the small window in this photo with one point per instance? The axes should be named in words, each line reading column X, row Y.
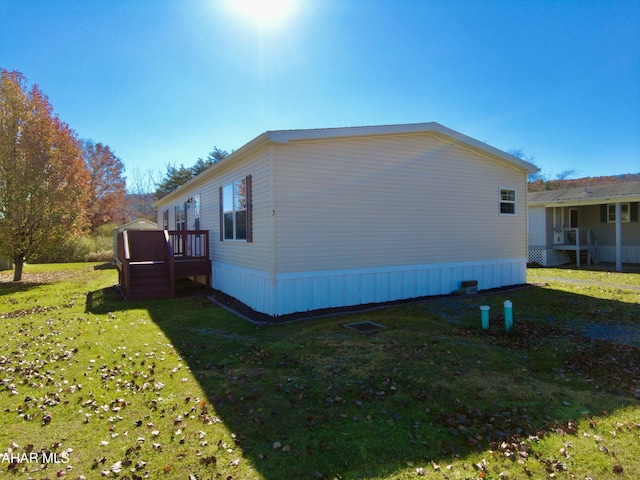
column 507, row 201
column 624, row 213
column 235, row 210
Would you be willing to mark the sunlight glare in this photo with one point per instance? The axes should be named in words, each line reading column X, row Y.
column 263, row 11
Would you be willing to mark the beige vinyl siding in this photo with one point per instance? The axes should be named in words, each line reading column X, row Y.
column 256, row 254
column 537, row 227
column 393, row 200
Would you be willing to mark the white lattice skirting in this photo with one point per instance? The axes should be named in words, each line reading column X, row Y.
column 547, row 258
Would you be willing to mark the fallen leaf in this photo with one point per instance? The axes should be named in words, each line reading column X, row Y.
column 211, row 460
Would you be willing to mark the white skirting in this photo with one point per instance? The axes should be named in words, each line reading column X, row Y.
column 548, row 257
column 304, row 291
column 629, row 254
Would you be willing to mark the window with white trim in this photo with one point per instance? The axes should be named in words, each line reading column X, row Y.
column 507, row 201
column 234, row 210
column 624, row 213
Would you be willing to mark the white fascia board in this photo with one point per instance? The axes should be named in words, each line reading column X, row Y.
column 286, row 136
column 212, row 170
column 483, row 147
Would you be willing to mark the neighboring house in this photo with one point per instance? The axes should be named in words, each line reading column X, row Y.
column 139, row 224
column 308, row 219
column 600, row 221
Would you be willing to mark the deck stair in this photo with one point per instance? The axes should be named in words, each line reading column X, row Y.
column 150, row 261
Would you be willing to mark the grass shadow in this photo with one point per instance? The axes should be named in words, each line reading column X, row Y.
column 105, row 266
column 10, row 287
column 316, row 400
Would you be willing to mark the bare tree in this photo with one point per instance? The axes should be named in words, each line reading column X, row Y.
column 142, row 193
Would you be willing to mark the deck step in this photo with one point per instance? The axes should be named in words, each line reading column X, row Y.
column 149, row 280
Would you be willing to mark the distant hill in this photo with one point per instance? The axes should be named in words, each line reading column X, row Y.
column 542, row 185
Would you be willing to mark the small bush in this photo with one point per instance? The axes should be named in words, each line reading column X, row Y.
column 94, row 247
column 100, row 256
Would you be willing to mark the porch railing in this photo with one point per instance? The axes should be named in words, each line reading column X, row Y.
column 578, row 239
column 189, row 244
column 571, row 236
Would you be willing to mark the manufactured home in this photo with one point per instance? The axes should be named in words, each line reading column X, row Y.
column 300, row 220
column 585, row 225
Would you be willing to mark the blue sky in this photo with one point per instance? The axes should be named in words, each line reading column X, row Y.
column 164, row 81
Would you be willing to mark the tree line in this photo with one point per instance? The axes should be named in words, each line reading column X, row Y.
column 55, row 186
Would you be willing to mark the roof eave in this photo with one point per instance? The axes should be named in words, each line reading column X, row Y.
column 209, row 172
column 585, row 201
column 287, row 136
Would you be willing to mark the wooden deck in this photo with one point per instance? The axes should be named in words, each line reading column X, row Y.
column 150, row 261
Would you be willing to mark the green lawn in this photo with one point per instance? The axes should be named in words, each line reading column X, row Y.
column 182, row 389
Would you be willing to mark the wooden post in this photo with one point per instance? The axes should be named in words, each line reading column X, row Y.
column 618, row 237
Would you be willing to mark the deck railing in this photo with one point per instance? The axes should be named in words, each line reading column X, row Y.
column 149, row 261
column 189, row 244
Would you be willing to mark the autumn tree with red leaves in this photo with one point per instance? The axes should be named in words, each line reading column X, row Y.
column 107, row 186
column 44, row 182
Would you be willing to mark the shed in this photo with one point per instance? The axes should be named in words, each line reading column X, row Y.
column 310, row 219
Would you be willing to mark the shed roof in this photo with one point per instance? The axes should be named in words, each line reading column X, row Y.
column 619, row 192
column 289, row 136
column 139, row 223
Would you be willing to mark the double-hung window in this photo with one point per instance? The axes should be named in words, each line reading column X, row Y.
column 181, row 216
column 507, row 201
column 235, row 210
column 624, row 213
